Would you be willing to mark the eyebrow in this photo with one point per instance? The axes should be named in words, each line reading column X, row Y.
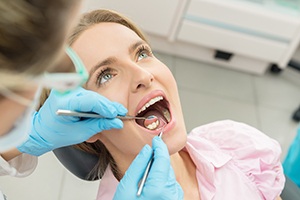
column 113, row 59
column 134, row 46
column 107, row 61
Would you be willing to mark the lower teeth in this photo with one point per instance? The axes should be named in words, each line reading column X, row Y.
column 153, row 126
column 166, row 114
column 151, row 122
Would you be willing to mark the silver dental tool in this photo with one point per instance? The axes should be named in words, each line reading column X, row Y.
column 92, row 115
column 126, row 117
column 143, row 180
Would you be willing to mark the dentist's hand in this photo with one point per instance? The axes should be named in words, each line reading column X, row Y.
column 50, row 131
column 161, row 183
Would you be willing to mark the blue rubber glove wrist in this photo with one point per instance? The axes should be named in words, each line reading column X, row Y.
column 161, row 183
column 50, row 131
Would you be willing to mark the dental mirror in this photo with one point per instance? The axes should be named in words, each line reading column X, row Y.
column 151, row 122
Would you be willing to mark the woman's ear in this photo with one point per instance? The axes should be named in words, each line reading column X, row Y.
column 94, row 138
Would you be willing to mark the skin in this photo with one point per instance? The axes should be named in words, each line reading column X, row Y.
column 134, row 75
column 11, row 110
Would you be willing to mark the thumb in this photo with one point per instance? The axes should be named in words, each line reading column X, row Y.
column 131, row 179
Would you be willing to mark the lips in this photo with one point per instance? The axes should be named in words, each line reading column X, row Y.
column 154, row 104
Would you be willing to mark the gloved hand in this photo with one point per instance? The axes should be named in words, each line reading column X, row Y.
column 50, row 131
column 161, row 183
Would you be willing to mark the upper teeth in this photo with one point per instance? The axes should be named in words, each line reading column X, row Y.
column 151, row 102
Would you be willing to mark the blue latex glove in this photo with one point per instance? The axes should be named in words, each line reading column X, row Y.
column 50, row 131
column 161, row 183
column 291, row 164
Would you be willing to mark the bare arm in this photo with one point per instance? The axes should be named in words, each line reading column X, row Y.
column 10, row 154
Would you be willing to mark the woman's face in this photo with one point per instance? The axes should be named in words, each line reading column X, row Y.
column 123, row 69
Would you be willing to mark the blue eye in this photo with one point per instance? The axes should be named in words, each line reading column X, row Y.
column 142, row 56
column 143, row 52
column 104, row 76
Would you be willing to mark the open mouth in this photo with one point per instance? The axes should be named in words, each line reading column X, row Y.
column 157, row 113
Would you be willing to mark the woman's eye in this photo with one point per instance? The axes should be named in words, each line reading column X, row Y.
column 143, row 52
column 104, row 76
column 142, row 55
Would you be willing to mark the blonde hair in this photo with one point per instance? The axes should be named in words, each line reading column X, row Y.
column 32, row 35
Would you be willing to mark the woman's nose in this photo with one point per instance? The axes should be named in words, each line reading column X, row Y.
column 141, row 79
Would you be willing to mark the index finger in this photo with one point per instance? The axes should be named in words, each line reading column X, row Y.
column 89, row 101
column 159, row 171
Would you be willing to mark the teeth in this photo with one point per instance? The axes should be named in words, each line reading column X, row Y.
column 151, row 102
column 167, row 115
column 153, row 125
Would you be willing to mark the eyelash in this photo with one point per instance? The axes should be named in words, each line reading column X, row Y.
column 101, row 74
column 141, row 49
column 144, row 49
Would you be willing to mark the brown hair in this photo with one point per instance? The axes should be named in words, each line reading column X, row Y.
column 32, row 34
column 97, row 148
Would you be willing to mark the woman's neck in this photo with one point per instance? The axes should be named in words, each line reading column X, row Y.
column 185, row 172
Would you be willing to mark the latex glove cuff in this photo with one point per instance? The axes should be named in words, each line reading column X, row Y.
column 34, row 148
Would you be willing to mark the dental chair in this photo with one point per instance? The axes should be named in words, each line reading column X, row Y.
column 81, row 163
column 294, row 64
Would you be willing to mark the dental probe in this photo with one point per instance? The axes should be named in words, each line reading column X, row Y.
column 143, row 180
column 92, row 115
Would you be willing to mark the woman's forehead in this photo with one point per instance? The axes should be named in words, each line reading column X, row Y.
column 107, row 33
column 105, row 40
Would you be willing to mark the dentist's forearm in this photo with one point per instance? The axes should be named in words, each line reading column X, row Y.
column 10, row 154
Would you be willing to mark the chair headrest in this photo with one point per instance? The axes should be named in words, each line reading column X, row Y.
column 78, row 162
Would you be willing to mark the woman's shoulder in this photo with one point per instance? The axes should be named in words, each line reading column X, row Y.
column 243, row 143
column 252, row 152
column 230, row 135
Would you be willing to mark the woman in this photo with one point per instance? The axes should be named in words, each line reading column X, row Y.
column 221, row 160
